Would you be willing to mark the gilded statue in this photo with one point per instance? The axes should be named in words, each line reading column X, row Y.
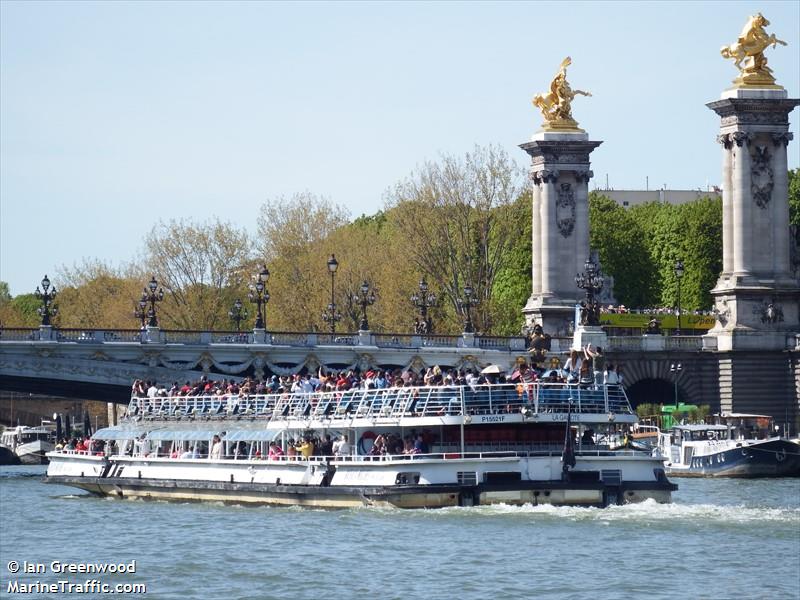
column 748, row 53
column 556, row 104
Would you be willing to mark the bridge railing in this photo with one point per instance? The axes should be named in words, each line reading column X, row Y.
column 687, row 343
column 14, row 334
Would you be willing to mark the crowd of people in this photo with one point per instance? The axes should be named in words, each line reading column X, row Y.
column 586, row 367
column 664, row 310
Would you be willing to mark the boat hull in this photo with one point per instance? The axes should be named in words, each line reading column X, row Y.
column 558, row 493
column 771, row 458
column 32, row 453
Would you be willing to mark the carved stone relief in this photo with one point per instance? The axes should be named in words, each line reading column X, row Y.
column 769, row 312
column 761, row 176
column 565, row 210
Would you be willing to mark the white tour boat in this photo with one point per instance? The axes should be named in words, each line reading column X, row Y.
column 408, row 447
column 29, row 444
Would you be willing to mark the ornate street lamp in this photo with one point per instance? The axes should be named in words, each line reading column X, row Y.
column 153, row 294
column 423, row 300
column 259, row 296
column 590, row 280
column 46, row 310
column 676, row 369
column 465, row 305
column 679, row 276
column 365, row 299
column 330, row 315
column 140, row 312
column 238, row 313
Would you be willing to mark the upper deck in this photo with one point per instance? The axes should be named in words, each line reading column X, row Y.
column 542, row 402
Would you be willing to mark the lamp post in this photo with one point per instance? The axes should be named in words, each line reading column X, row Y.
column 675, row 369
column 238, row 313
column 140, row 312
column 465, row 305
column 330, row 315
column 590, row 280
column 679, row 276
column 260, row 296
column 423, row 300
column 365, row 299
column 153, row 294
column 46, row 310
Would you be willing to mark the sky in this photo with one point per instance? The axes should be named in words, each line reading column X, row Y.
column 115, row 115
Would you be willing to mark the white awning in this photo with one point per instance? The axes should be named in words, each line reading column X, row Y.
column 251, row 435
column 181, row 434
column 117, row 433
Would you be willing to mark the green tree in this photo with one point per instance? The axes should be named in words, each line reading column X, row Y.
column 24, row 311
column 512, row 287
column 618, row 237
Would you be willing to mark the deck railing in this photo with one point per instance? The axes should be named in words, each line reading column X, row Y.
column 391, row 403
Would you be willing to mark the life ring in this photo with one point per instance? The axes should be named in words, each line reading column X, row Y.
column 366, row 442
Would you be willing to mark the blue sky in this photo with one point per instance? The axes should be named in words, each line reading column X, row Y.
column 113, row 115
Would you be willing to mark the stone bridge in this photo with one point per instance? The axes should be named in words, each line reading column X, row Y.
column 101, row 364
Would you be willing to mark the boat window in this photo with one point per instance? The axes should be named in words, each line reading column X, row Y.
column 467, row 477
column 407, row 478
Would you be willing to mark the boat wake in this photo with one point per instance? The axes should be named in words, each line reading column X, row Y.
column 649, row 512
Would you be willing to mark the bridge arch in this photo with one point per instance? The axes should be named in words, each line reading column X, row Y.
column 651, row 381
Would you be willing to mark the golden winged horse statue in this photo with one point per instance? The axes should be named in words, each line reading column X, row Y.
column 556, row 104
column 749, row 49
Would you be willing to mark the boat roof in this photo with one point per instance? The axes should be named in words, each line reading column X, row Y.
column 742, row 416
column 701, row 427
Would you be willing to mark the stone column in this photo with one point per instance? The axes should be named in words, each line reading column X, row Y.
column 757, row 300
column 536, row 240
column 727, row 200
column 780, row 233
column 742, row 253
column 560, row 175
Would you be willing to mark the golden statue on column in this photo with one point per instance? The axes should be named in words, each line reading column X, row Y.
column 748, row 54
column 556, row 104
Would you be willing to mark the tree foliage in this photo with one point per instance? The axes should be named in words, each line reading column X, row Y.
column 94, row 294
column 512, row 285
column 202, row 268
column 618, row 238
column 455, row 215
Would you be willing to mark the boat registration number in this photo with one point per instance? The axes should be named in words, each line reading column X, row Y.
column 491, row 418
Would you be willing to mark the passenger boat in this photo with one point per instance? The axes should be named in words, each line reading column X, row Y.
column 29, row 444
column 734, row 445
column 473, row 445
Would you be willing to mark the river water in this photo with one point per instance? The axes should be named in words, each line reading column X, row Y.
column 719, row 539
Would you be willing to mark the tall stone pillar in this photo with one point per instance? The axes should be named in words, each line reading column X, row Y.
column 757, row 298
column 560, row 173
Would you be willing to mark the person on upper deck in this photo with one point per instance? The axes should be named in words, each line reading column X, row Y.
column 598, row 363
